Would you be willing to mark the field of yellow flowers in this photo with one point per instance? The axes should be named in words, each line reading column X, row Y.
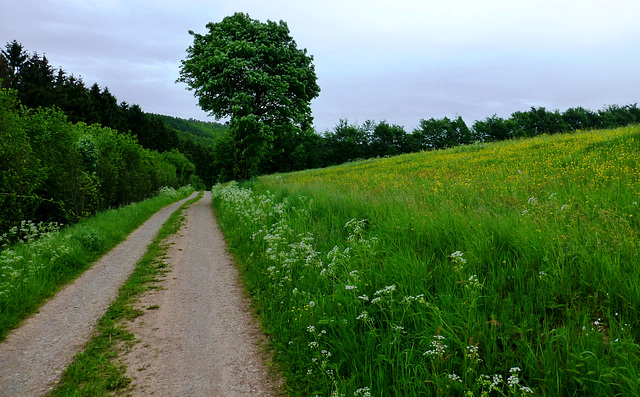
column 503, row 269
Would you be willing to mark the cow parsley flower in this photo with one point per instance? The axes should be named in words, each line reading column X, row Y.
column 363, row 391
column 454, row 378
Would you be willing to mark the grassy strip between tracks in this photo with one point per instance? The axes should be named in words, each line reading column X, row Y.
column 95, row 372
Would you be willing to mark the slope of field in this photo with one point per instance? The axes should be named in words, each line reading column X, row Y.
column 488, row 269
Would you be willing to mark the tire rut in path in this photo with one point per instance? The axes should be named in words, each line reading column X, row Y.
column 34, row 355
column 200, row 339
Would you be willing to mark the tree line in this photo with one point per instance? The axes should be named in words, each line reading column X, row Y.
column 67, row 152
column 254, row 74
column 352, row 141
column 264, row 135
column 38, row 84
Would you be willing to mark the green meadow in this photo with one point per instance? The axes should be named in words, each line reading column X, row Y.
column 502, row 269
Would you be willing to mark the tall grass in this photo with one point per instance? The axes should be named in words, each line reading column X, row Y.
column 46, row 257
column 489, row 269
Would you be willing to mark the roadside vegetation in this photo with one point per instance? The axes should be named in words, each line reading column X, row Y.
column 491, row 269
column 43, row 256
column 40, row 85
column 54, row 171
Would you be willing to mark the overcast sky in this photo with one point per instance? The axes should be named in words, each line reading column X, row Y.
column 397, row 60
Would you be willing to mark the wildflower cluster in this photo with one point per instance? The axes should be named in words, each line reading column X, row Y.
column 320, row 364
column 472, row 354
column 438, row 347
column 363, row 391
column 35, row 249
column 473, row 282
column 496, row 382
column 28, row 232
column 458, row 261
column 292, row 264
column 171, row 192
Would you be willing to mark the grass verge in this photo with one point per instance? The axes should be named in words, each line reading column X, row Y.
column 47, row 257
column 94, row 372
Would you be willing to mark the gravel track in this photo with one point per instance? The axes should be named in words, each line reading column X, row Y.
column 34, row 355
column 200, row 339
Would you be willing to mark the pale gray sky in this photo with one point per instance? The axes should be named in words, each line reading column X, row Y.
column 397, row 60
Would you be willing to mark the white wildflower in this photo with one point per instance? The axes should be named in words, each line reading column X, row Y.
column 438, row 348
column 457, row 257
column 513, row 381
column 363, row 316
column 386, row 290
column 454, row 378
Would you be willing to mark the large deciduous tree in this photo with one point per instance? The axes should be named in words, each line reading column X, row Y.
column 254, row 74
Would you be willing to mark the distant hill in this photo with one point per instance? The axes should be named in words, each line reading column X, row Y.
column 204, row 132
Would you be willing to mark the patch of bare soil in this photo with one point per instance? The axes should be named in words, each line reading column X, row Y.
column 34, row 355
column 197, row 336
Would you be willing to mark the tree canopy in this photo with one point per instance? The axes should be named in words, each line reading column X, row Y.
column 254, row 74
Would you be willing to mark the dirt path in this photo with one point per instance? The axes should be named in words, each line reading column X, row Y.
column 33, row 356
column 201, row 340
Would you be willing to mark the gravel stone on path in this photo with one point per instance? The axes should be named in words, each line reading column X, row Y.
column 33, row 356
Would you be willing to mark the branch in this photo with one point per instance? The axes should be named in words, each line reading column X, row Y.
column 33, row 197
